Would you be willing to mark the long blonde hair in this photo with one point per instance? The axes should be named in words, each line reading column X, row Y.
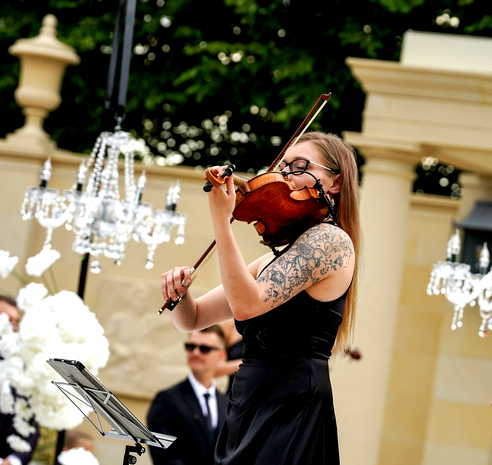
column 340, row 156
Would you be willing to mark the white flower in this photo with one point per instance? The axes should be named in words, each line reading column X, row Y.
column 77, row 456
column 58, row 326
column 22, row 426
column 6, row 398
column 11, row 368
column 9, row 339
column 9, row 344
column 7, row 263
column 56, row 411
column 38, row 264
column 22, row 409
column 31, row 295
column 18, row 444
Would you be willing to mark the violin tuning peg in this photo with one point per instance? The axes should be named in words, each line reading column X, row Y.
column 229, row 170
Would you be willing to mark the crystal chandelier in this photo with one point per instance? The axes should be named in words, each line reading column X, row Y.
column 461, row 286
column 102, row 220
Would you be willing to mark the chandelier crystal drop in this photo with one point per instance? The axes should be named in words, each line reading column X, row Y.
column 45, row 205
column 101, row 219
column 461, row 287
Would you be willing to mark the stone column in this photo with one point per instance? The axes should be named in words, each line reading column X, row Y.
column 385, row 201
column 459, row 421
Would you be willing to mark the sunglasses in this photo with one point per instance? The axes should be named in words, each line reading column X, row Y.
column 203, row 348
column 300, row 165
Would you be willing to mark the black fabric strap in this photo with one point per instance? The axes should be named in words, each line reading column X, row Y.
column 119, row 65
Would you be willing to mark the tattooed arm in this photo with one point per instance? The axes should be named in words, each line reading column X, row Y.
column 321, row 260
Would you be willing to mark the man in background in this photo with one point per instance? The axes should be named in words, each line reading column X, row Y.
column 194, row 409
column 76, row 438
column 8, row 456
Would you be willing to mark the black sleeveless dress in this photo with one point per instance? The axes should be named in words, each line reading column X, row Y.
column 280, row 409
column 234, row 352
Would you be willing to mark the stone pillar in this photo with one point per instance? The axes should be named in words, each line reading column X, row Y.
column 43, row 61
column 459, row 419
column 385, row 201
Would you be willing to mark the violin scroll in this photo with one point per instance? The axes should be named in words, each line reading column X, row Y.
column 214, row 180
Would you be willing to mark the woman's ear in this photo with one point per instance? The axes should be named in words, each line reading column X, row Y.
column 336, row 186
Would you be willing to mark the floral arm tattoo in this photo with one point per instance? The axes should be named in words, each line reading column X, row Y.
column 317, row 252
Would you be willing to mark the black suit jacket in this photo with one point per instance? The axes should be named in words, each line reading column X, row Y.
column 177, row 411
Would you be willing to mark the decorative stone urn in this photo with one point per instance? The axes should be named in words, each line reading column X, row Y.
column 43, row 61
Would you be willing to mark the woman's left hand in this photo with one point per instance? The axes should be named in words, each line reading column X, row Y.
column 222, row 200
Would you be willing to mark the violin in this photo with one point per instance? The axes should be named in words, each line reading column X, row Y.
column 276, row 228
column 279, row 213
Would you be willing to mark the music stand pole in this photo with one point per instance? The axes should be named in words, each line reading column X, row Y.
column 129, row 459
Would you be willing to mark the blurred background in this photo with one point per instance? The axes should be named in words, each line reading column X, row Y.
column 222, row 81
column 228, row 81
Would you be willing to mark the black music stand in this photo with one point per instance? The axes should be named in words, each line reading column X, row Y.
column 95, row 396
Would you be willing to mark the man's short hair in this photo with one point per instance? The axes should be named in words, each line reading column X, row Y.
column 8, row 300
column 217, row 330
column 72, row 438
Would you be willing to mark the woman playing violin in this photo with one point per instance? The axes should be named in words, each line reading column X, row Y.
column 291, row 309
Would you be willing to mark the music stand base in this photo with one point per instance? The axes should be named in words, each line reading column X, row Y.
column 129, row 459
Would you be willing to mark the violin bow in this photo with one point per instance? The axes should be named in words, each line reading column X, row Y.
column 302, row 128
column 310, row 117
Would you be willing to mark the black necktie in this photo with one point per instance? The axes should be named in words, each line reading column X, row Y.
column 208, row 416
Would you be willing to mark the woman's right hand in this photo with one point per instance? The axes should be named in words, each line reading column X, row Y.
column 175, row 282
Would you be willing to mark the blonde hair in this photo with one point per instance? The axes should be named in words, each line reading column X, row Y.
column 341, row 157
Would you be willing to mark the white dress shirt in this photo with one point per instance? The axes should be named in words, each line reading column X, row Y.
column 200, row 390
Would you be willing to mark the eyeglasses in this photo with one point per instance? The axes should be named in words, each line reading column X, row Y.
column 203, row 348
column 301, row 165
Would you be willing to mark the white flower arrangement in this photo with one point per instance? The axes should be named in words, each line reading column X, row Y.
column 77, row 456
column 53, row 326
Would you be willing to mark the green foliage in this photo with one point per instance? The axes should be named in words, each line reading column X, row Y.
column 259, row 63
column 483, row 25
column 401, row 6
